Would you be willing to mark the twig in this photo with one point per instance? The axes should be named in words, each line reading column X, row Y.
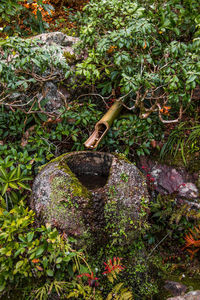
column 159, row 244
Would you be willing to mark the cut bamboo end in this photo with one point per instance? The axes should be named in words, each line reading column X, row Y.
column 103, row 126
column 100, row 130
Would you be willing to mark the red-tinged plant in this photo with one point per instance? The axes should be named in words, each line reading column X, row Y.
column 149, row 178
column 193, row 241
column 92, row 280
column 112, row 268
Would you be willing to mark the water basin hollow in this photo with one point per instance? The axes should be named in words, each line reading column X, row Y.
column 92, row 169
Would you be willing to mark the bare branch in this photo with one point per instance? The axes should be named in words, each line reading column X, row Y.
column 169, row 121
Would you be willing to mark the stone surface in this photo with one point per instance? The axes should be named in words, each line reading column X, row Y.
column 175, row 288
column 168, row 180
column 58, row 38
column 53, row 89
column 193, row 295
column 61, row 199
column 55, row 93
column 55, row 98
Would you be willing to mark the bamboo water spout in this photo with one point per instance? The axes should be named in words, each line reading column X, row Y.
column 103, row 125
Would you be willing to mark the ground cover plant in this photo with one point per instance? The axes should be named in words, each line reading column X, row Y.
column 144, row 54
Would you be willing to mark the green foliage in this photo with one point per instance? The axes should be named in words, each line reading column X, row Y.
column 80, row 291
column 10, row 181
column 170, row 218
column 27, row 62
column 130, row 132
column 43, row 292
column 147, row 49
column 180, row 142
column 120, row 293
column 27, row 252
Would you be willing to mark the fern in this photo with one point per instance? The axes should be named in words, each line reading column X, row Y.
column 179, row 213
column 112, row 268
column 120, row 293
column 44, row 291
column 192, row 240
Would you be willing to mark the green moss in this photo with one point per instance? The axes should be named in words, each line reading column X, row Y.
column 121, row 156
column 68, row 195
column 77, row 189
column 70, row 58
column 53, row 160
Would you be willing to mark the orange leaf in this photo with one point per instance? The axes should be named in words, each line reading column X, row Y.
column 35, row 260
column 39, row 268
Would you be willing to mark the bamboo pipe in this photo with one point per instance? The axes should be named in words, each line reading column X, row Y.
column 103, row 125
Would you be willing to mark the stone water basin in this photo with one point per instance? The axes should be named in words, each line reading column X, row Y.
column 94, row 192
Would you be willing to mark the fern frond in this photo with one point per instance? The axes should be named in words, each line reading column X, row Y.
column 120, row 293
column 192, row 240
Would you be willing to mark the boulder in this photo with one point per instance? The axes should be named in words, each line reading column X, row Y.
column 193, row 295
column 91, row 192
column 168, row 179
column 52, row 86
column 60, row 39
column 175, row 288
column 57, row 94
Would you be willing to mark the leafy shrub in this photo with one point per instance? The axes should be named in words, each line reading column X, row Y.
column 10, row 9
column 27, row 62
column 146, row 49
column 129, row 132
column 28, row 252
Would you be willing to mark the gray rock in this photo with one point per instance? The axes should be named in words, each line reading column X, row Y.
column 53, row 97
column 57, row 38
column 175, row 288
column 61, row 196
column 194, row 295
column 168, row 180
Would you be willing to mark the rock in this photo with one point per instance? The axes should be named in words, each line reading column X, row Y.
column 175, row 288
column 54, row 98
column 194, row 295
column 62, row 195
column 168, row 180
column 53, row 90
column 51, row 82
column 58, row 38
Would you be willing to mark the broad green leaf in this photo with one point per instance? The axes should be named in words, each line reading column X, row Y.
column 19, row 264
column 24, row 186
column 4, row 173
column 12, row 174
column 30, row 236
column 50, row 273
column 39, row 251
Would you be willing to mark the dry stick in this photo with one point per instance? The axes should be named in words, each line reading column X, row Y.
column 1, row 100
column 98, row 95
column 169, row 121
column 159, row 244
column 19, row 105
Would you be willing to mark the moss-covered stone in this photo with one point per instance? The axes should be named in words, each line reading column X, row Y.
column 117, row 207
